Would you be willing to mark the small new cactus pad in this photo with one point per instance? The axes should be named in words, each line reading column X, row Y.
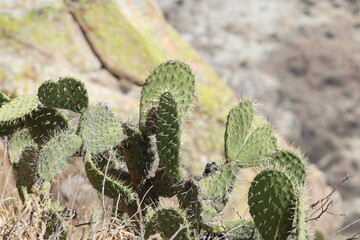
column 218, row 186
column 18, row 108
column 68, row 93
column 99, row 129
column 45, row 123
column 291, row 163
column 168, row 139
column 174, row 77
column 55, row 154
column 258, row 147
column 113, row 189
column 20, row 140
column 238, row 124
column 271, row 201
column 170, row 223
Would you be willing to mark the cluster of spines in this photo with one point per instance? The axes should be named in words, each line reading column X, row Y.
column 165, row 100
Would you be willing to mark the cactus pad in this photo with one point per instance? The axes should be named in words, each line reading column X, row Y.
column 258, row 147
column 300, row 221
column 112, row 188
column 26, row 171
column 55, row 154
column 292, row 164
column 138, row 153
column 174, row 77
column 44, row 123
column 167, row 222
column 168, row 138
column 20, row 140
column 4, row 98
column 99, row 129
column 237, row 127
column 8, row 128
column 68, row 93
column 271, row 202
column 18, row 108
column 189, row 200
column 218, row 186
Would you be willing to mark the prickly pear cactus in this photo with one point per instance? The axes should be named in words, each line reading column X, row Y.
column 140, row 166
column 68, row 93
column 18, row 108
column 19, row 141
column 242, row 149
column 174, row 77
column 111, row 188
column 99, row 129
column 168, row 140
column 272, row 202
column 238, row 124
column 45, row 123
column 169, row 223
column 55, row 154
column 26, row 174
column 293, row 164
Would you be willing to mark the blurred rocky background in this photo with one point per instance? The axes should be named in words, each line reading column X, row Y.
column 300, row 60
column 297, row 59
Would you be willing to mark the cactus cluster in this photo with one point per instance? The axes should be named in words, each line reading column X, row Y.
column 137, row 165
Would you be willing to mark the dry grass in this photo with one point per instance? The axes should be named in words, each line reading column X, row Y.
column 29, row 220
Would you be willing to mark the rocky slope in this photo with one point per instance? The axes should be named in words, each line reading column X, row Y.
column 299, row 60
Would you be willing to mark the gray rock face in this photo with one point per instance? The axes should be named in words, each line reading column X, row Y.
column 299, row 59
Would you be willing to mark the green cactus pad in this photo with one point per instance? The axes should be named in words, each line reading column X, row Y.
column 25, row 170
column 99, row 129
column 44, row 123
column 218, row 186
column 68, row 93
column 4, row 98
column 112, row 189
column 189, row 199
column 300, row 221
column 167, row 222
column 237, row 127
column 258, row 147
column 168, row 136
column 55, row 154
column 138, row 154
column 21, row 140
column 271, row 201
column 18, row 108
column 8, row 128
column 292, row 164
column 174, row 77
